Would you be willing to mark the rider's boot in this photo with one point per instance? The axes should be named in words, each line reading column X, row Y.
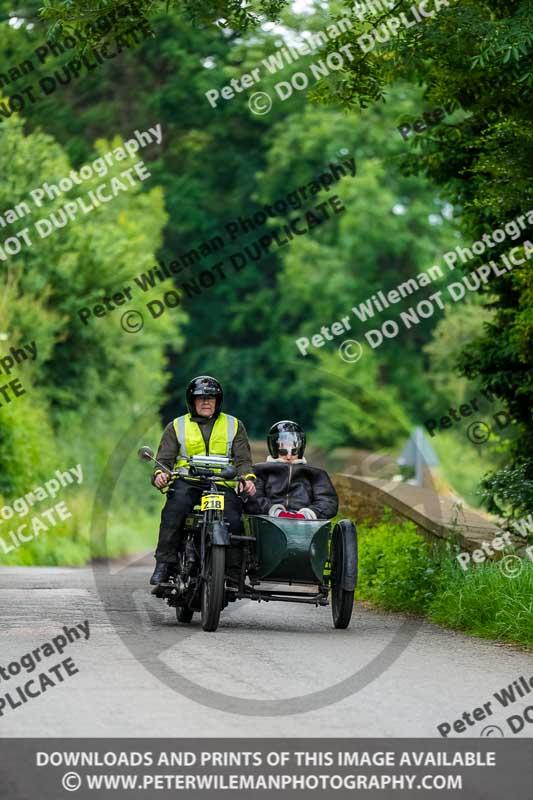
column 163, row 570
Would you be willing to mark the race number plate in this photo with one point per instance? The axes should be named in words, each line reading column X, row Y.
column 213, row 501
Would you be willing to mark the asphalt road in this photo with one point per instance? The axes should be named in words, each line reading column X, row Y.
column 271, row 669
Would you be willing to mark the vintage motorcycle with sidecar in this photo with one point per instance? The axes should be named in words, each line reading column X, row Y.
column 290, row 552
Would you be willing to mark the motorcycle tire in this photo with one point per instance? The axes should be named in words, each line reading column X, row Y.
column 213, row 587
column 343, row 572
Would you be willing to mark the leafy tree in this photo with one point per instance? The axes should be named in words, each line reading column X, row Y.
column 476, row 56
column 218, row 164
column 459, row 327
column 83, row 374
column 356, row 407
column 201, row 159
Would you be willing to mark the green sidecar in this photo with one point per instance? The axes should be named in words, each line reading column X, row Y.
column 298, row 553
column 288, row 559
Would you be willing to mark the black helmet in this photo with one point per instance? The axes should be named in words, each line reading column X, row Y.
column 204, row 385
column 286, row 435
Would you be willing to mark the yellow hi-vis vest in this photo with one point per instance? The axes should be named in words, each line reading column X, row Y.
column 191, row 442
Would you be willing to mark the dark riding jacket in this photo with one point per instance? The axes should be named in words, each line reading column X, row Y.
column 294, row 486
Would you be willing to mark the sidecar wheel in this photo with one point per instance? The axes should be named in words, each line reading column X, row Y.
column 343, row 572
column 184, row 613
column 213, row 587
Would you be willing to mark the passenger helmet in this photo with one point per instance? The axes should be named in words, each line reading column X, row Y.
column 286, row 435
column 204, row 385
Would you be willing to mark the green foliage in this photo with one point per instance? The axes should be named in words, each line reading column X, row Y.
column 474, row 56
column 88, row 381
column 397, row 569
column 254, row 317
column 453, row 333
column 355, row 406
column 345, row 262
column 402, row 572
column 484, row 602
column 510, row 490
column 229, row 14
column 502, row 360
column 26, row 443
column 215, row 165
column 68, row 543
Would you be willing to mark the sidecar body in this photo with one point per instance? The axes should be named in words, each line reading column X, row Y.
column 298, row 553
column 289, row 550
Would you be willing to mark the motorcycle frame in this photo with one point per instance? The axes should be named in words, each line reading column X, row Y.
column 220, row 536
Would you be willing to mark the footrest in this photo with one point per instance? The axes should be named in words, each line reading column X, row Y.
column 163, row 589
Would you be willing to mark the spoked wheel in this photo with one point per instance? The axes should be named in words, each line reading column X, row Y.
column 213, row 587
column 343, row 571
column 184, row 613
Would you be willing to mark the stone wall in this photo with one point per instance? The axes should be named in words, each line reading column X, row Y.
column 435, row 517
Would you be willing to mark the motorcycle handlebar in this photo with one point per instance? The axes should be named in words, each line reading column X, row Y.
column 228, row 473
column 202, row 482
column 195, row 471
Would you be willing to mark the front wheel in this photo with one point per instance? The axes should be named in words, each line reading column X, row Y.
column 213, row 587
column 343, row 571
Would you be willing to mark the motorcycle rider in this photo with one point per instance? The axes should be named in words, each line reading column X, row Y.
column 286, row 483
column 205, row 430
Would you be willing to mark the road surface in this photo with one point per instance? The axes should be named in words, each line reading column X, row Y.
column 140, row 674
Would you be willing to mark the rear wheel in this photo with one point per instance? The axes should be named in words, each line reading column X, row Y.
column 343, row 572
column 213, row 587
column 184, row 613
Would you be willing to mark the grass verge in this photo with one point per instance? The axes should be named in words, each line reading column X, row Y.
column 400, row 571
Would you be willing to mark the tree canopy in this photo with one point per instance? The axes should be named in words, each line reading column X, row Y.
column 414, row 197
